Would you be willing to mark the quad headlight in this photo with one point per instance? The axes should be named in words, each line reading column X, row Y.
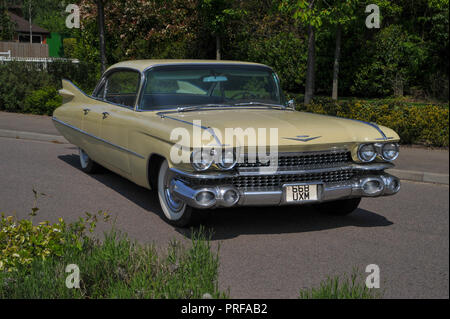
column 203, row 159
column 227, row 160
column 386, row 151
column 389, row 151
column 367, row 152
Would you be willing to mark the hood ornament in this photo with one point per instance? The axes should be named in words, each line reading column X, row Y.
column 302, row 138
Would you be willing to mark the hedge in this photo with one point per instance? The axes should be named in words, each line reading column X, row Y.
column 30, row 88
column 426, row 125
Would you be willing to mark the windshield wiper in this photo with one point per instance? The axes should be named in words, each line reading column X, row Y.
column 260, row 103
column 196, row 107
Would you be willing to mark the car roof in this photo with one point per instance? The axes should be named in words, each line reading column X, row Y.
column 141, row 65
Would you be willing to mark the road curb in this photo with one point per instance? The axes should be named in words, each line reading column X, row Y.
column 33, row 136
column 424, row 177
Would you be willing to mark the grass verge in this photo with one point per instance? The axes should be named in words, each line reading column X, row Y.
column 345, row 287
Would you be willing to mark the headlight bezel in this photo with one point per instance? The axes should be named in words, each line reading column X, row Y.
column 397, row 150
column 195, row 164
column 221, row 164
column 375, row 153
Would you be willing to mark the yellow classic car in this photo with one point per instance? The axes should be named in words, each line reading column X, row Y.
column 207, row 134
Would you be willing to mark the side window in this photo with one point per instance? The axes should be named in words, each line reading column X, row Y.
column 122, row 87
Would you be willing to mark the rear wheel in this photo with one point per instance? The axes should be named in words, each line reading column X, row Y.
column 339, row 207
column 87, row 164
column 176, row 212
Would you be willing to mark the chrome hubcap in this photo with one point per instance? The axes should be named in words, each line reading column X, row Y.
column 174, row 204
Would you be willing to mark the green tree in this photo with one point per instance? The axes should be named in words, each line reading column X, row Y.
column 215, row 15
column 311, row 13
column 6, row 25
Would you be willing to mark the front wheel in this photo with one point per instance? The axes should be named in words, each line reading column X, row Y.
column 339, row 207
column 176, row 212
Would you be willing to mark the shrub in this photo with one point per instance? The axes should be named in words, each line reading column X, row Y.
column 18, row 80
column 427, row 124
column 34, row 258
column 43, row 101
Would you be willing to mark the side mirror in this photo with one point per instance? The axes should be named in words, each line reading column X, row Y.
column 291, row 104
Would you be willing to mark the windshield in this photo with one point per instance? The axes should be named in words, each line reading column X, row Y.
column 177, row 86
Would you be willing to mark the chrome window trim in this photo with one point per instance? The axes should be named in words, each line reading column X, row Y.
column 103, row 80
column 98, row 138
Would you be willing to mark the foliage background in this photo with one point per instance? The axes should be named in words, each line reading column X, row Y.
column 407, row 56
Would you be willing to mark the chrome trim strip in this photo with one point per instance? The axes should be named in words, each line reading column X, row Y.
column 375, row 126
column 209, row 129
column 213, row 175
column 98, row 138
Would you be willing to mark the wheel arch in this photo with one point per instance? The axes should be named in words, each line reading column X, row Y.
column 153, row 164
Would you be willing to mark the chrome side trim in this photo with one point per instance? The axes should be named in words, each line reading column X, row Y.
column 220, row 175
column 208, row 129
column 375, row 126
column 98, row 138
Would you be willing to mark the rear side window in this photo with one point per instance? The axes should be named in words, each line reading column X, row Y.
column 122, row 87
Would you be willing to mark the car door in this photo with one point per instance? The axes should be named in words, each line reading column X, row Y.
column 91, row 121
column 121, row 89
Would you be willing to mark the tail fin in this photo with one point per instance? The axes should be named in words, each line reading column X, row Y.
column 70, row 91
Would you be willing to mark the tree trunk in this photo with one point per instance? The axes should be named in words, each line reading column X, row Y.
column 337, row 55
column 310, row 75
column 101, row 29
column 218, row 47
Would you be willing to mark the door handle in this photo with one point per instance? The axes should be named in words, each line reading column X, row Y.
column 105, row 115
column 86, row 111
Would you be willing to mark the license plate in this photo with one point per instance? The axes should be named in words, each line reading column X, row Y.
column 301, row 193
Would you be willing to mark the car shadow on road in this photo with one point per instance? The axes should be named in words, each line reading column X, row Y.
column 226, row 223
column 229, row 223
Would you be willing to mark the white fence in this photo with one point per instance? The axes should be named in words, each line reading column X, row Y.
column 41, row 62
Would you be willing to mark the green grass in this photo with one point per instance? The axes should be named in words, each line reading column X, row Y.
column 118, row 267
column 346, row 287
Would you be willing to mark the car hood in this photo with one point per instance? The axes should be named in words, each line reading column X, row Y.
column 294, row 129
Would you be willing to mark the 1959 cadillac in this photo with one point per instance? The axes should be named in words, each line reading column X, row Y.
column 208, row 134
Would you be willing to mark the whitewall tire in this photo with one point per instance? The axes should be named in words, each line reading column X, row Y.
column 176, row 212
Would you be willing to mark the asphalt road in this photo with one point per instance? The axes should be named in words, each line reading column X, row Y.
column 264, row 252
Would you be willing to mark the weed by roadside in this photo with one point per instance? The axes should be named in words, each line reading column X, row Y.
column 342, row 287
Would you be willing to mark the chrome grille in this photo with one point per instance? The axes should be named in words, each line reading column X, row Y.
column 309, row 159
column 270, row 181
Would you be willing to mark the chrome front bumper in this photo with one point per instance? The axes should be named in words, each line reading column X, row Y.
column 372, row 184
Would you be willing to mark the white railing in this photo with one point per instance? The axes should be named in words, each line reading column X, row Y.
column 7, row 53
column 40, row 62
